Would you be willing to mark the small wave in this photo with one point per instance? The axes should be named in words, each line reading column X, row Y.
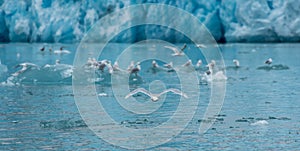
column 63, row 124
column 274, row 67
column 3, row 71
column 137, row 123
column 260, row 123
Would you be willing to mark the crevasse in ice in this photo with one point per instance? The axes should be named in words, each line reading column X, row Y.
column 227, row 20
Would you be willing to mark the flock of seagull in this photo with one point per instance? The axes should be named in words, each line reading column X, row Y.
column 134, row 68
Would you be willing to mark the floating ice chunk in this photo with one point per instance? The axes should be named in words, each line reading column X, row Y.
column 260, row 123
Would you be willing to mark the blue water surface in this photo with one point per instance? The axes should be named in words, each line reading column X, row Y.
column 42, row 114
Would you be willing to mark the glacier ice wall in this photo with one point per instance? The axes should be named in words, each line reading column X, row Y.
column 228, row 20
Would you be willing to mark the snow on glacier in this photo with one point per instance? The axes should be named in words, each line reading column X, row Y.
column 69, row 20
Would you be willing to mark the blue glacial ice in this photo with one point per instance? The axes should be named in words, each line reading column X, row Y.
column 227, row 20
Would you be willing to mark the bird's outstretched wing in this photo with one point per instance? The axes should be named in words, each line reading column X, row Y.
column 201, row 46
column 139, row 90
column 110, row 68
column 183, row 47
column 174, row 49
column 169, row 65
column 28, row 64
column 188, row 63
column 176, row 91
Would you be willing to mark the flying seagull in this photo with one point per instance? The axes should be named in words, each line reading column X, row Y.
column 177, row 52
column 155, row 97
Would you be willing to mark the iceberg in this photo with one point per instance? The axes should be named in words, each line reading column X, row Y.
column 67, row 21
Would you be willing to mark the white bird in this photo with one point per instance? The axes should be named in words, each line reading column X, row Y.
column 169, row 65
column 211, row 65
column 25, row 66
column 62, row 51
column 176, row 51
column 236, row 63
column 201, row 46
column 213, row 62
column 57, row 62
column 102, row 64
column 199, row 63
column 107, row 63
column 154, row 64
column 136, row 69
column 116, row 67
column 89, row 62
column 269, row 61
column 92, row 63
column 155, row 97
column 95, row 63
column 131, row 66
column 188, row 63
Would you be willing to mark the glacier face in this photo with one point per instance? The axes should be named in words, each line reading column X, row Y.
column 68, row 20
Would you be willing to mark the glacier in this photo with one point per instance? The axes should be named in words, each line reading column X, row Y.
column 67, row 21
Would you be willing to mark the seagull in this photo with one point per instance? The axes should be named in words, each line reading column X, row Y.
column 62, row 51
column 200, row 46
column 169, row 65
column 95, row 63
column 208, row 72
column 199, row 63
column 57, row 62
column 236, row 63
column 188, row 63
column 155, row 97
column 136, row 69
column 176, row 51
column 116, row 67
column 92, row 63
column 131, row 66
column 269, row 61
column 109, row 66
column 211, row 65
column 25, row 66
column 101, row 64
column 154, row 64
column 89, row 62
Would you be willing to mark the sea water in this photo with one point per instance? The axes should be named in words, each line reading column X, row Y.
column 261, row 109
